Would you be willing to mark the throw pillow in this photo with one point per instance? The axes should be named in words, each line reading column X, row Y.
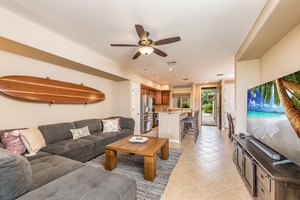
column 11, row 141
column 80, row 132
column 32, row 139
column 110, row 125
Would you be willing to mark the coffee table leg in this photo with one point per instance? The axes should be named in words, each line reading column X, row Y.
column 110, row 159
column 150, row 167
column 165, row 151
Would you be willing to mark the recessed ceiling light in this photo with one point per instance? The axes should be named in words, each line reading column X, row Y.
column 170, row 69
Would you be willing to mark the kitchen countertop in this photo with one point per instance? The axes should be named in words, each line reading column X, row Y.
column 171, row 112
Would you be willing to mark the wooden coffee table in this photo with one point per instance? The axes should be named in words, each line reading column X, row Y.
column 147, row 149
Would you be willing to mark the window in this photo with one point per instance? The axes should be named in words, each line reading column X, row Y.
column 181, row 100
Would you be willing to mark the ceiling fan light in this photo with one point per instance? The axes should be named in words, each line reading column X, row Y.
column 146, row 50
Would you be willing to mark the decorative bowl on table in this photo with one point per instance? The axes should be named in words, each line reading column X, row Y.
column 138, row 139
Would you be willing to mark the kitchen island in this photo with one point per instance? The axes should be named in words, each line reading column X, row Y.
column 169, row 125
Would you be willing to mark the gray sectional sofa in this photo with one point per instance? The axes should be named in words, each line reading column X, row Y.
column 58, row 171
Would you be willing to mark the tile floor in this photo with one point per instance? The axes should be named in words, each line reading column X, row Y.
column 205, row 170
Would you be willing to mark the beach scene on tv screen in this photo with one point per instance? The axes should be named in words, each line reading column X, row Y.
column 273, row 115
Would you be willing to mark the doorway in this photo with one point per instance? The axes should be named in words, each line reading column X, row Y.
column 209, row 106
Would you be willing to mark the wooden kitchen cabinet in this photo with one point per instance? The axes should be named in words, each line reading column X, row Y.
column 158, row 98
column 162, row 97
column 165, row 97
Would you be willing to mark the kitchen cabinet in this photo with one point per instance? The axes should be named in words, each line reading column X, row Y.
column 162, row 97
column 158, row 98
column 165, row 97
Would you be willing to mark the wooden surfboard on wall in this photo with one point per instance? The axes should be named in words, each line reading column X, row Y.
column 48, row 90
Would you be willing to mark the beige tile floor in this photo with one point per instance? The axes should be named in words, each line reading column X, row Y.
column 205, row 170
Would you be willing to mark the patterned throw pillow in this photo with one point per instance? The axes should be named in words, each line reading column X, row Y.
column 81, row 132
column 32, row 139
column 11, row 141
column 110, row 125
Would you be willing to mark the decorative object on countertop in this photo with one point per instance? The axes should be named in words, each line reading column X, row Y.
column 48, row 90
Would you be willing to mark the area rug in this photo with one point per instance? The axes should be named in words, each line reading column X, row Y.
column 132, row 165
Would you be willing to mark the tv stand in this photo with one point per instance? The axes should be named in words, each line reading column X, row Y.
column 266, row 178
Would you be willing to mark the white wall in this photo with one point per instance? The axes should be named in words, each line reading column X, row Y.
column 17, row 113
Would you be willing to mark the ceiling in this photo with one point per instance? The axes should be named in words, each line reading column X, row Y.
column 211, row 32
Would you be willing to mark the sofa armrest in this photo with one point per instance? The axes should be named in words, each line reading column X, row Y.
column 127, row 123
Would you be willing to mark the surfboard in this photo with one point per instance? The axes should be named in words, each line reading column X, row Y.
column 48, row 90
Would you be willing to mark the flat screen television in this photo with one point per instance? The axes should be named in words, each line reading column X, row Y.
column 273, row 115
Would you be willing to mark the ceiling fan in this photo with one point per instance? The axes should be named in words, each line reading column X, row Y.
column 146, row 45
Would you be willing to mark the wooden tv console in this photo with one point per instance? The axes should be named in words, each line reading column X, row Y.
column 265, row 181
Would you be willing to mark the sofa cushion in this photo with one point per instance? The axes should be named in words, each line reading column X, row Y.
column 70, row 148
column 57, row 132
column 50, row 167
column 87, row 183
column 16, row 175
column 123, row 133
column 32, row 139
column 125, row 122
column 11, row 141
column 101, row 140
column 35, row 156
column 94, row 125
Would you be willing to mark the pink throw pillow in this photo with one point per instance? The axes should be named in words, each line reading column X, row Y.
column 11, row 141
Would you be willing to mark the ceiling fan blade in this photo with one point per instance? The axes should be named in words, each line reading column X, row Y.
column 124, row 45
column 159, row 52
column 167, row 41
column 136, row 55
column 141, row 32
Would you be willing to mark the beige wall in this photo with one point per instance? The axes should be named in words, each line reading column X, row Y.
column 247, row 76
column 18, row 113
column 282, row 59
column 123, row 103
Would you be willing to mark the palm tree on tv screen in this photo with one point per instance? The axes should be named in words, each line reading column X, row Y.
column 281, row 88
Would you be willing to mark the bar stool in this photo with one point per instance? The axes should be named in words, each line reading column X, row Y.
column 190, row 124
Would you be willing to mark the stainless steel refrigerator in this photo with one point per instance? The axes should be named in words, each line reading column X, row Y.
column 146, row 113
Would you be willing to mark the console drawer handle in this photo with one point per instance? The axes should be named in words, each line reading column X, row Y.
column 262, row 190
column 264, row 176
